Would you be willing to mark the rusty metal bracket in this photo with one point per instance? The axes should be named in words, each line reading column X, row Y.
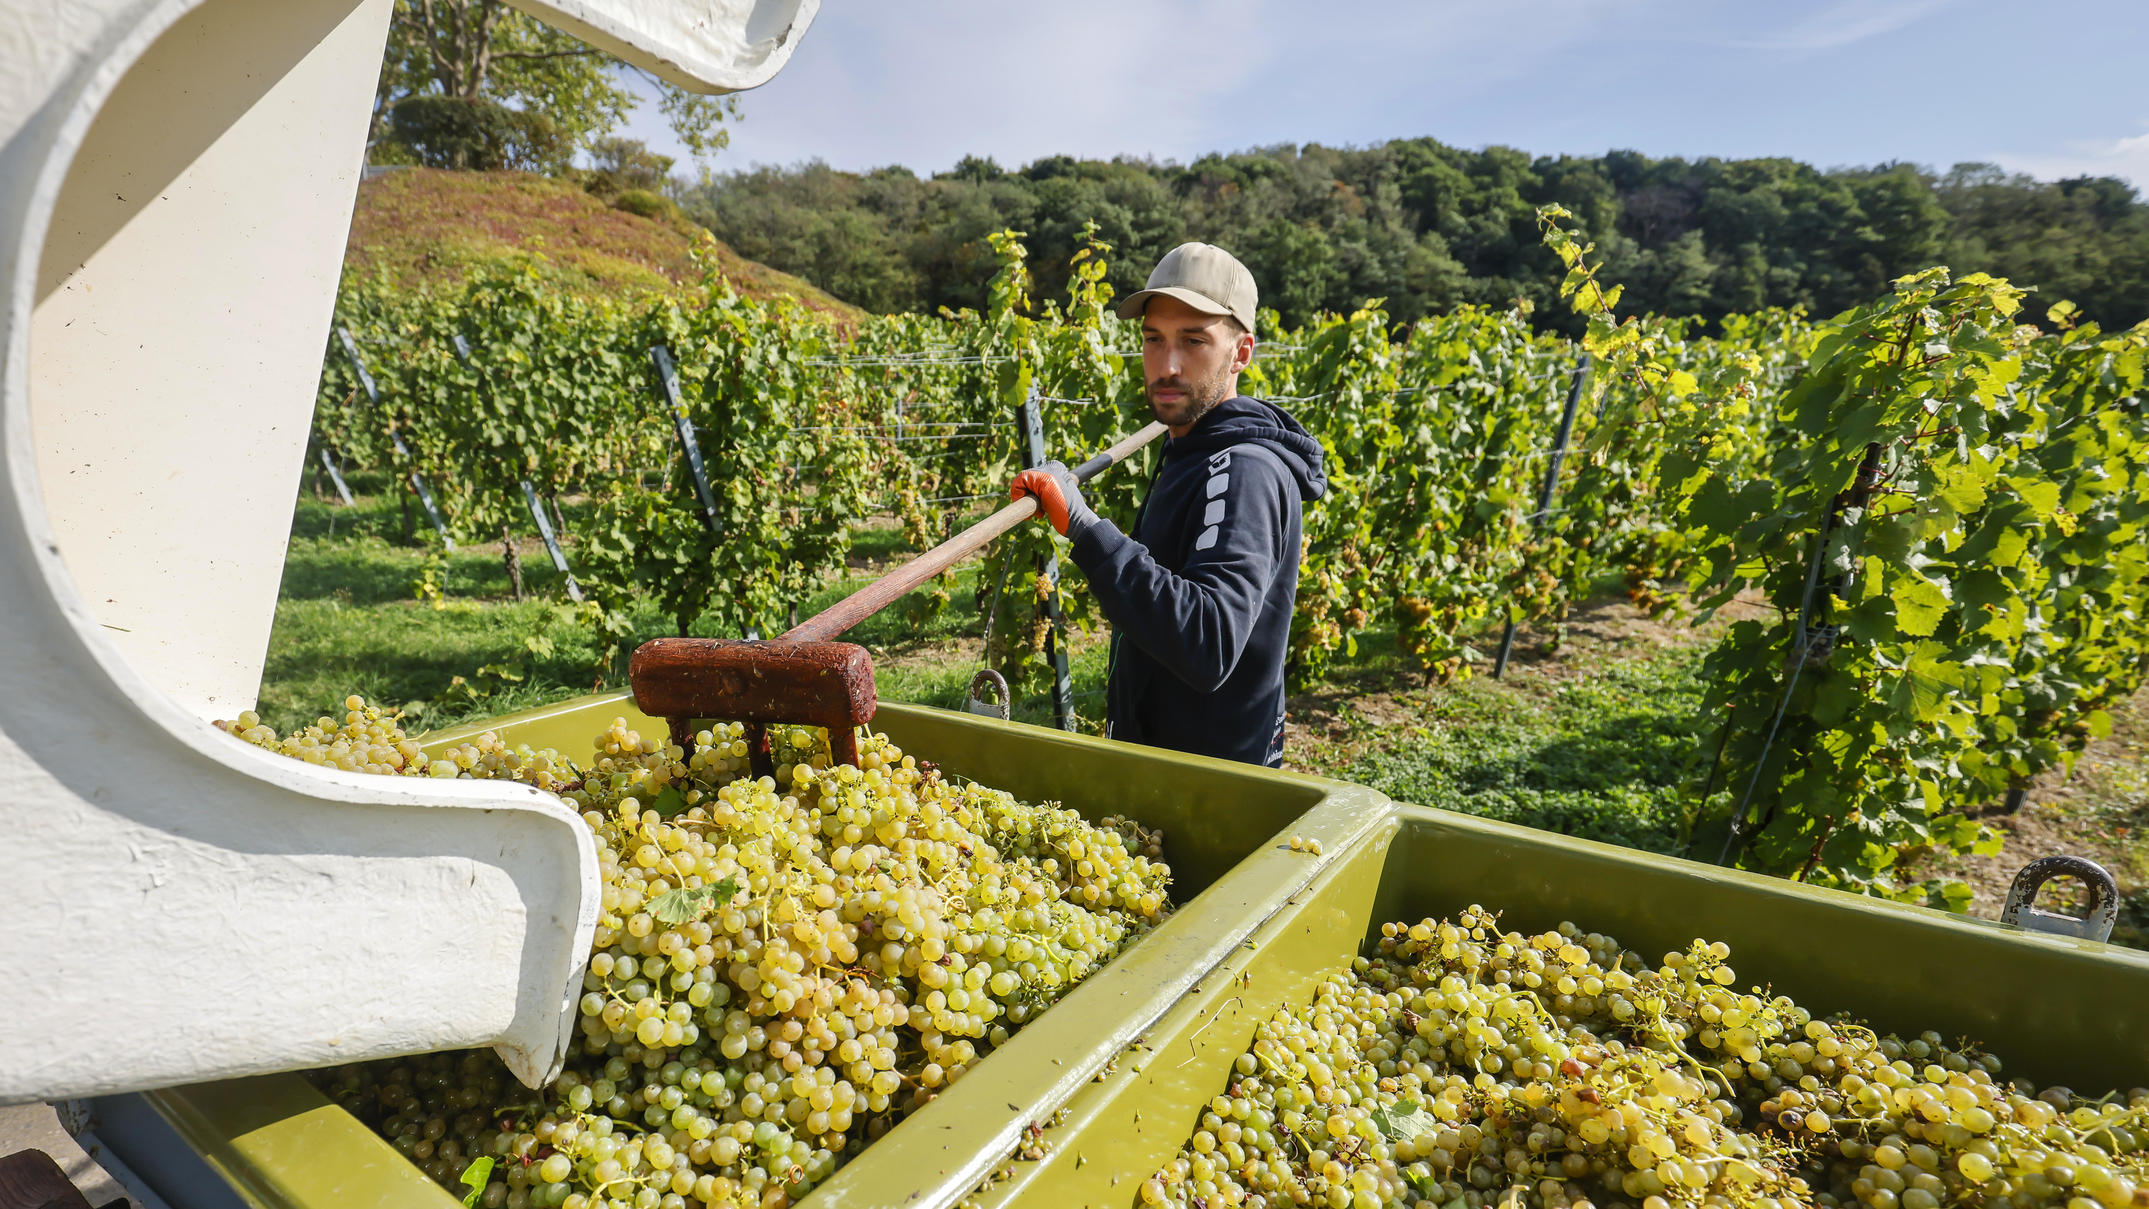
column 2094, row 924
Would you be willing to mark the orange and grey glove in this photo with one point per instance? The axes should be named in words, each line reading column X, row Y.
column 1060, row 495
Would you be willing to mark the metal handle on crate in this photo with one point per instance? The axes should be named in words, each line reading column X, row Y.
column 2095, row 923
column 975, row 704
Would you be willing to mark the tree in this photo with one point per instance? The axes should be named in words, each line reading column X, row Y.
column 1427, row 226
column 617, row 165
column 492, row 57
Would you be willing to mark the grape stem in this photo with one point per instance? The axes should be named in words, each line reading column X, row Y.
column 1194, row 1052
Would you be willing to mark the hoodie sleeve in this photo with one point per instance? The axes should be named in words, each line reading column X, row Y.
column 1195, row 622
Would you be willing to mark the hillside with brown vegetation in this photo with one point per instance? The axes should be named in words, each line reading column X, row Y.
column 421, row 226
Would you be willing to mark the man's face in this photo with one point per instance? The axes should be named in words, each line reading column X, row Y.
column 1190, row 361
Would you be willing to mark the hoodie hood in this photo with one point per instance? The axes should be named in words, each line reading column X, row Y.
column 1242, row 420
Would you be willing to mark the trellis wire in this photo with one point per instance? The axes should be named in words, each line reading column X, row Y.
column 1738, row 816
column 957, row 499
column 947, row 426
column 1259, row 348
column 960, row 436
column 903, row 362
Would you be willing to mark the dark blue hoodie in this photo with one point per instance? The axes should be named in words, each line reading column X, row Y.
column 1200, row 598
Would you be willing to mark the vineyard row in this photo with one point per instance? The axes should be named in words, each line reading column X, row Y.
column 1930, row 512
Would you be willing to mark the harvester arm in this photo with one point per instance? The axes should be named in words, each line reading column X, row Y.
column 176, row 181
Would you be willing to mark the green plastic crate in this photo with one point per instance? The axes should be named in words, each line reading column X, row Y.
column 2056, row 1010
column 283, row 1145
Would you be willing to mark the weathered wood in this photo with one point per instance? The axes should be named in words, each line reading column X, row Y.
column 1120, row 452
column 827, row 684
column 30, row 1179
column 889, row 588
column 804, row 677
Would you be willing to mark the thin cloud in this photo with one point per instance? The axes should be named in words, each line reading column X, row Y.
column 2126, row 158
column 1115, row 77
column 1843, row 23
column 923, row 85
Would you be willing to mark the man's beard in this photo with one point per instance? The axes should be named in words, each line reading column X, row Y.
column 1202, row 396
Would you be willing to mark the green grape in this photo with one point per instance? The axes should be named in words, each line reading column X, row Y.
column 783, row 966
column 369, row 739
column 1459, row 1065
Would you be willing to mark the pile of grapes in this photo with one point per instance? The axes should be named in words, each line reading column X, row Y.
column 785, row 965
column 1462, row 1066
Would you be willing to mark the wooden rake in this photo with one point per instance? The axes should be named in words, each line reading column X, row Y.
column 804, row 676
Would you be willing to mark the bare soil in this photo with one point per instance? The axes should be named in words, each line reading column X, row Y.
column 2099, row 810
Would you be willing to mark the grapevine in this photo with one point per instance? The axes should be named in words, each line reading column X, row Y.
column 1939, row 629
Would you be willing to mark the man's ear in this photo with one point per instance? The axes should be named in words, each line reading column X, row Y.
column 1243, row 355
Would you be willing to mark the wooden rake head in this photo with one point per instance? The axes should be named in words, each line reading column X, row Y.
column 825, row 684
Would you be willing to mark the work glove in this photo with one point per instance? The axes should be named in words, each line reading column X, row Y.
column 1060, row 495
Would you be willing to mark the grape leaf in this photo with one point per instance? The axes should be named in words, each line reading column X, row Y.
column 668, row 802
column 2042, row 495
column 476, row 1175
column 1405, row 1119
column 1919, row 606
column 1926, row 684
column 1963, row 488
column 1834, row 698
column 679, row 906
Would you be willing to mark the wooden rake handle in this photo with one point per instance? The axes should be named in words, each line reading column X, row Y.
column 805, row 676
column 889, row 588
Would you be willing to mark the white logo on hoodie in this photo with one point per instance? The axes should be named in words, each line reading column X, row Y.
column 1212, row 516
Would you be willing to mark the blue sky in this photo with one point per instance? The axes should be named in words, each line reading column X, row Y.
column 2054, row 88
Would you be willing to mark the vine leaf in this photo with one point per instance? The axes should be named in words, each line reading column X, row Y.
column 1919, row 606
column 1922, row 692
column 2042, row 495
column 668, row 802
column 1963, row 489
column 476, row 1176
column 679, row 906
column 1407, row 1118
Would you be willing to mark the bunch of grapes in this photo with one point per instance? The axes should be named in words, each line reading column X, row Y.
column 784, row 967
column 371, row 739
column 1461, row 1066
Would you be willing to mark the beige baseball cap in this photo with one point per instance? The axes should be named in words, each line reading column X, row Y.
column 1204, row 277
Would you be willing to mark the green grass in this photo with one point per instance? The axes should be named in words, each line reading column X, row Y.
column 1596, row 754
column 348, row 621
column 1601, row 752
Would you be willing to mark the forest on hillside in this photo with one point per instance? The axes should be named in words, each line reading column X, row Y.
column 1427, row 226
column 472, row 84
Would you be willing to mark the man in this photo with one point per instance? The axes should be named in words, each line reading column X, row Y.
column 1200, row 597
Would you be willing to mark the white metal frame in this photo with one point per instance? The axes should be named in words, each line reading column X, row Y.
column 176, row 906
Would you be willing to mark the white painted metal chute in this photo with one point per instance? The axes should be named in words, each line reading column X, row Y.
column 704, row 45
column 176, row 181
